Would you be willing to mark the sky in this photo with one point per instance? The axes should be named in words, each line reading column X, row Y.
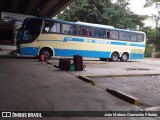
column 137, row 7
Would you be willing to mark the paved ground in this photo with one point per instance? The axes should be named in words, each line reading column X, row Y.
column 98, row 68
column 146, row 89
column 29, row 85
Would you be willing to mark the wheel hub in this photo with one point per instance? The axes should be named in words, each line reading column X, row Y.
column 125, row 57
column 46, row 54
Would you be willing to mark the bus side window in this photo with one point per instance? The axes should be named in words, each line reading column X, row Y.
column 114, row 34
column 80, row 31
column 90, row 32
column 69, row 29
column 96, row 32
column 140, row 37
column 124, row 36
column 133, row 37
column 108, row 34
column 46, row 27
column 85, row 31
column 54, row 27
column 73, row 29
column 103, row 33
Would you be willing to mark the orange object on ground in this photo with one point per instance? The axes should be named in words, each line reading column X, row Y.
column 41, row 58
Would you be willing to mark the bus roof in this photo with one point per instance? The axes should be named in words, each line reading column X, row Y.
column 88, row 24
column 95, row 25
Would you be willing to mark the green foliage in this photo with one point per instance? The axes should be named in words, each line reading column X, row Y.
column 153, row 35
column 103, row 12
column 148, row 50
column 158, row 52
column 91, row 11
column 151, row 2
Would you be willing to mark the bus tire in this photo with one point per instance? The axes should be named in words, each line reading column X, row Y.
column 46, row 52
column 114, row 56
column 103, row 59
column 124, row 57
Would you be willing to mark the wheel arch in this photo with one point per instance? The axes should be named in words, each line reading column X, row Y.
column 46, row 47
column 114, row 52
column 125, row 53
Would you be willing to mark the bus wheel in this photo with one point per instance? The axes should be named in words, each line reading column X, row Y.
column 114, row 56
column 46, row 52
column 124, row 57
column 103, row 59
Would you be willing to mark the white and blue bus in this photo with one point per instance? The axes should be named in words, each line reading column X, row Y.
column 61, row 38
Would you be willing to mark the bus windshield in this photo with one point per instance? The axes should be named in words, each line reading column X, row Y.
column 30, row 30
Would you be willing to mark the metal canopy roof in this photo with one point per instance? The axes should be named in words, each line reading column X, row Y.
column 40, row 8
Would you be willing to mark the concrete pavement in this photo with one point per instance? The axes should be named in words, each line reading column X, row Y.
column 29, row 85
column 100, row 68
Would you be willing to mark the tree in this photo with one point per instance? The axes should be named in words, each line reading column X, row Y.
column 103, row 12
column 150, row 34
column 151, row 2
column 155, row 41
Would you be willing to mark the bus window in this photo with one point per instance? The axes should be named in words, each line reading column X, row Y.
column 46, row 27
column 54, row 27
column 50, row 26
column 140, row 37
column 99, row 33
column 133, row 37
column 113, row 34
column 124, row 36
column 69, row 29
column 85, row 31
column 103, row 33
column 107, row 34
column 90, row 32
column 96, row 32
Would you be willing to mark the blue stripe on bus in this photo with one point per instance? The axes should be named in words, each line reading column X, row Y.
column 28, row 51
column 91, row 54
column 95, row 41
column 103, row 42
column 70, row 52
column 84, row 53
column 66, row 39
column 137, row 45
column 73, row 39
column 118, row 43
column 136, row 56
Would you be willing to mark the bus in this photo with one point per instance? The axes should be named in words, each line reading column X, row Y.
column 52, row 37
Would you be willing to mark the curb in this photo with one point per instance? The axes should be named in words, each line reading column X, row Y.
column 125, row 75
column 49, row 62
column 86, row 79
column 124, row 96
column 56, row 66
column 155, row 108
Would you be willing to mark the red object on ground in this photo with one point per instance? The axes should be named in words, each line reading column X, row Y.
column 41, row 58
